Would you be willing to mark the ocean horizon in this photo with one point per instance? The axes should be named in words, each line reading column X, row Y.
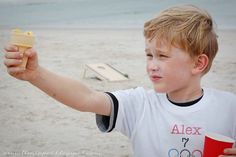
column 102, row 13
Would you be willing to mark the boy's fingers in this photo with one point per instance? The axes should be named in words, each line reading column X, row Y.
column 230, row 151
column 13, row 55
column 10, row 48
column 12, row 62
column 15, row 70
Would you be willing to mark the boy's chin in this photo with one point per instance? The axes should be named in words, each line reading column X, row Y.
column 159, row 90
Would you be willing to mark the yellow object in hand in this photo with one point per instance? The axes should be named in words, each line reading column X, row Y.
column 23, row 41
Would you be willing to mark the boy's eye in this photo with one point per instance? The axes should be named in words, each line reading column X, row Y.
column 149, row 55
column 162, row 56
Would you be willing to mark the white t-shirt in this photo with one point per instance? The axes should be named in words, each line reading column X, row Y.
column 156, row 127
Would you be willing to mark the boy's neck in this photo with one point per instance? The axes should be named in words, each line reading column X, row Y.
column 183, row 96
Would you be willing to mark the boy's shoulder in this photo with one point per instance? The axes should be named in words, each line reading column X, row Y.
column 220, row 94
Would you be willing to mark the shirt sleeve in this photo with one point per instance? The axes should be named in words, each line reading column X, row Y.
column 107, row 123
column 127, row 108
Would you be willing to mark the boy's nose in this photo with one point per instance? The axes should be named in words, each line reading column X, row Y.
column 154, row 66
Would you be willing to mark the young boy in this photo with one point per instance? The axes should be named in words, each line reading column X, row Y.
column 170, row 120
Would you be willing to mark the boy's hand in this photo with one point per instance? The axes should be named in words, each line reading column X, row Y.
column 13, row 58
column 230, row 152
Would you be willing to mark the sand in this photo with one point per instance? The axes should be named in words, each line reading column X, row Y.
column 33, row 124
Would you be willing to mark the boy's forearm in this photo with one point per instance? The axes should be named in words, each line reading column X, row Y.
column 68, row 91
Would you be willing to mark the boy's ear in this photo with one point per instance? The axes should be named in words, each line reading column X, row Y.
column 201, row 63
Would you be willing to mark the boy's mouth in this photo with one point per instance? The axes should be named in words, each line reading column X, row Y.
column 155, row 78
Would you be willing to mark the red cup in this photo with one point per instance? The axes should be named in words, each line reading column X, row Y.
column 215, row 144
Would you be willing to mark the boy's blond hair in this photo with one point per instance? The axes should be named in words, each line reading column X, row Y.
column 186, row 27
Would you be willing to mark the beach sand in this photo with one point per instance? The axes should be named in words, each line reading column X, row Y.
column 34, row 124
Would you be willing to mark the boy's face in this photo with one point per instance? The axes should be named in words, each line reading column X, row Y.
column 170, row 70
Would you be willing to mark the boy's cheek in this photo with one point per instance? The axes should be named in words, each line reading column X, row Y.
column 148, row 68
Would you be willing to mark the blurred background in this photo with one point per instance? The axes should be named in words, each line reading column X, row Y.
column 102, row 13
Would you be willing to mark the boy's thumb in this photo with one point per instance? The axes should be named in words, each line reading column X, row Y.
column 31, row 53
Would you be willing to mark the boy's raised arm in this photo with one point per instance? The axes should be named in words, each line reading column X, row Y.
column 72, row 92
column 68, row 91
